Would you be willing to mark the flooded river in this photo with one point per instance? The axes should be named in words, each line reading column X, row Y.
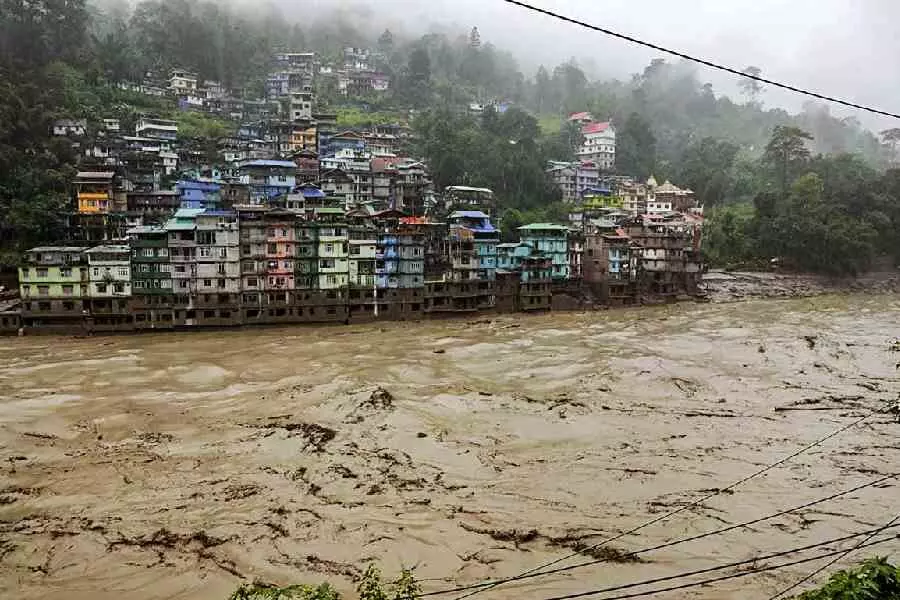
column 173, row 465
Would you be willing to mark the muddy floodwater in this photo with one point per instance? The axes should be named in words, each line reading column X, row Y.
column 176, row 465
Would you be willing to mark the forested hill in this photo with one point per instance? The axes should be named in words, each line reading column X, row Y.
column 63, row 59
column 235, row 47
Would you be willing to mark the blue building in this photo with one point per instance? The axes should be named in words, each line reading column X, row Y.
column 268, row 179
column 550, row 240
column 522, row 258
column 196, row 193
column 473, row 245
column 511, row 254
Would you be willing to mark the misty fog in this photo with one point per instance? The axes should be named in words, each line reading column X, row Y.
column 830, row 46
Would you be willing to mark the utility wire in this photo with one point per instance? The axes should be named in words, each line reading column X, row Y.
column 740, row 563
column 834, row 560
column 701, row 61
column 683, row 540
column 678, row 510
column 734, row 575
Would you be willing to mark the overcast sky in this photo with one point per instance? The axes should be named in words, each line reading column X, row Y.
column 843, row 48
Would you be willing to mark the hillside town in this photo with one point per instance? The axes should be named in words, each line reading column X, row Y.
column 294, row 219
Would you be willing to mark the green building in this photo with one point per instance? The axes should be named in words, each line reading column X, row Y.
column 550, row 240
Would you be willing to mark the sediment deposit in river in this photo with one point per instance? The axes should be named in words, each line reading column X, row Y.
column 176, row 465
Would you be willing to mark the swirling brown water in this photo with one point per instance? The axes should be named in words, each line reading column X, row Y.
column 165, row 465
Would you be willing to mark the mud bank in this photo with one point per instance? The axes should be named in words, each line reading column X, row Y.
column 176, row 465
column 724, row 286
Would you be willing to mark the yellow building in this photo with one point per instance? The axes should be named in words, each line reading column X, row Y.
column 603, row 200
column 304, row 138
column 94, row 191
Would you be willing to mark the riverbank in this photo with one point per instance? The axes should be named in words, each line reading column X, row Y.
column 174, row 466
column 722, row 286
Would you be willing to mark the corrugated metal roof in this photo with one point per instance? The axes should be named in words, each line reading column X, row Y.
column 595, row 128
column 466, row 188
column 57, row 249
column 468, row 214
column 145, row 229
column 543, row 226
column 95, row 175
column 108, row 248
column 269, row 163
column 188, row 213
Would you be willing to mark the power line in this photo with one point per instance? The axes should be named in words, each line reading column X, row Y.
column 834, row 560
column 701, row 61
column 749, row 561
column 740, row 574
column 678, row 510
column 684, row 540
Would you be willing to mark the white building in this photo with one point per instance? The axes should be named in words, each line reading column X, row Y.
column 218, row 253
column 182, row 82
column 109, row 271
column 599, row 145
column 161, row 129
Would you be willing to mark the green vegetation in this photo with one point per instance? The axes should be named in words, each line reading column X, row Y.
column 875, row 579
column 369, row 587
column 350, row 116
column 828, row 214
column 199, row 125
column 808, row 189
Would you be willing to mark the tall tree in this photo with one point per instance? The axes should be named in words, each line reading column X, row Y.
column 750, row 86
column 786, row 152
column 635, row 147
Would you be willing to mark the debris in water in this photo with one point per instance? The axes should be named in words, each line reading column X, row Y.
column 381, row 399
column 811, row 340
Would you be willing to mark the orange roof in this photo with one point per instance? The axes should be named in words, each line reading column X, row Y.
column 413, row 220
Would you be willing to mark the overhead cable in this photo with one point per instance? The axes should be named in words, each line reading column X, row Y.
column 742, row 563
column 680, row 541
column 702, row 61
column 832, row 561
column 678, row 510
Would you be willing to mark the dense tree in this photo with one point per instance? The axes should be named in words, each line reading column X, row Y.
column 499, row 151
column 786, row 152
column 635, row 147
column 750, row 85
column 705, row 167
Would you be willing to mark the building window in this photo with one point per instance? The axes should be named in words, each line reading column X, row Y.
column 101, row 288
column 207, row 283
column 119, row 288
column 273, row 248
column 221, row 283
column 123, row 271
column 183, row 284
column 68, row 290
column 42, row 272
column 65, row 272
column 251, row 282
column 204, row 252
column 179, row 269
column 43, row 290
